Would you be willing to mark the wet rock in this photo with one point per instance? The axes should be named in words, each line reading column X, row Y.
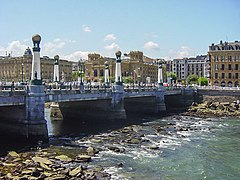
column 135, row 141
column 63, row 158
column 90, row 151
column 42, row 160
column 75, row 171
column 116, row 149
column 13, row 154
column 83, row 158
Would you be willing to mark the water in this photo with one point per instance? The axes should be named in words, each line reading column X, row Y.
column 183, row 148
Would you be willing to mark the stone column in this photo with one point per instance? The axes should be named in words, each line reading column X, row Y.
column 35, row 99
column 36, row 78
column 117, row 102
column 160, row 74
column 118, row 72
column 56, row 69
column 106, row 79
column 160, row 104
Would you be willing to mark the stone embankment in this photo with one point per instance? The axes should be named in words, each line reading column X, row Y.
column 215, row 106
column 44, row 164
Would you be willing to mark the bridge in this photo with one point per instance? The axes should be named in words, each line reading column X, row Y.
column 22, row 107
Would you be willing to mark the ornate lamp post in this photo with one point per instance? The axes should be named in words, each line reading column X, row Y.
column 106, row 74
column 160, row 75
column 22, row 72
column 118, row 73
column 80, row 65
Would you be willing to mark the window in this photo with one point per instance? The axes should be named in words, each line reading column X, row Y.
column 236, row 66
column 215, row 67
column 222, row 67
column 222, row 58
column 236, row 75
column 230, row 58
column 229, row 75
column 216, row 75
column 95, row 73
column 223, row 75
column 229, row 67
column 215, row 58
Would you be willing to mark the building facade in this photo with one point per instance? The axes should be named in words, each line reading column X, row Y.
column 18, row 69
column 189, row 66
column 224, row 59
column 134, row 64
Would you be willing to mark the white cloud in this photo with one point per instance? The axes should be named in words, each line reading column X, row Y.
column 151, row 46
column 76, row 56
column 16, row 48
column 112, row 47
column 86, row 28
column 183, row 52
column 51, row 47
column 110, row 37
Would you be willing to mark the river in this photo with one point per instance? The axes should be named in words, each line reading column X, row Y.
column 172, row 147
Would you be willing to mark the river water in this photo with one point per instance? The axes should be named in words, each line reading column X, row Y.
column 172, row 147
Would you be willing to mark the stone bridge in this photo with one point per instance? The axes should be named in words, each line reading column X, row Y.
column 22, row 107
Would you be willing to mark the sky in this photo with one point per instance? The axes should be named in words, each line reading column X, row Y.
column 159, row 28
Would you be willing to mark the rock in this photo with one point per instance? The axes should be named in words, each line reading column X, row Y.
column 26, row 172
column 63, row 158
column 135, row 141
column 41, row 160
column 13, row 154
column 96, row 140
column 116, row 149
column 90, row 151
column 44, row 166
column 83, row 158
column 56, row 177
column 153, row 147
column 75, row 171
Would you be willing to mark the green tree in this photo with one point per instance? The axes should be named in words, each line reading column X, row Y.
column 112, row 79
column 127, row 79
column 75, row 75
column 192, row 79
column 172, row 75
column 203, row 81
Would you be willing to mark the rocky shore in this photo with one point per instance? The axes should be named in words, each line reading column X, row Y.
column 215, row 107
column 47, row 164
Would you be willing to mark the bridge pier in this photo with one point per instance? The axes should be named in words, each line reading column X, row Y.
column 35, row 120
column 117, row 103
column 160, row 105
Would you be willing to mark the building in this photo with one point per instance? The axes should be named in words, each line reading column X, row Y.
column 134, row 65
column 224, row 59
column 189, row 66
column 18, row 69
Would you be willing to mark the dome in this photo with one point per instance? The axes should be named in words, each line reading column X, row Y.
column 36, row 38
column 28, row 52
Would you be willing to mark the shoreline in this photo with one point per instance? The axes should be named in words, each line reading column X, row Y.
column 73, row 158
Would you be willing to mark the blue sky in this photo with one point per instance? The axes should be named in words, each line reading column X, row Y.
column 161, row 29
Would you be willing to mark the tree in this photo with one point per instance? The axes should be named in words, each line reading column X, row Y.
column 192, row 79
column 127, row 79
column 203, row 81
column 75, row 75
column 172, row 76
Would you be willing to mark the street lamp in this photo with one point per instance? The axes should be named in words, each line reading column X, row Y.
column 81, row 71
column 22, row 72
